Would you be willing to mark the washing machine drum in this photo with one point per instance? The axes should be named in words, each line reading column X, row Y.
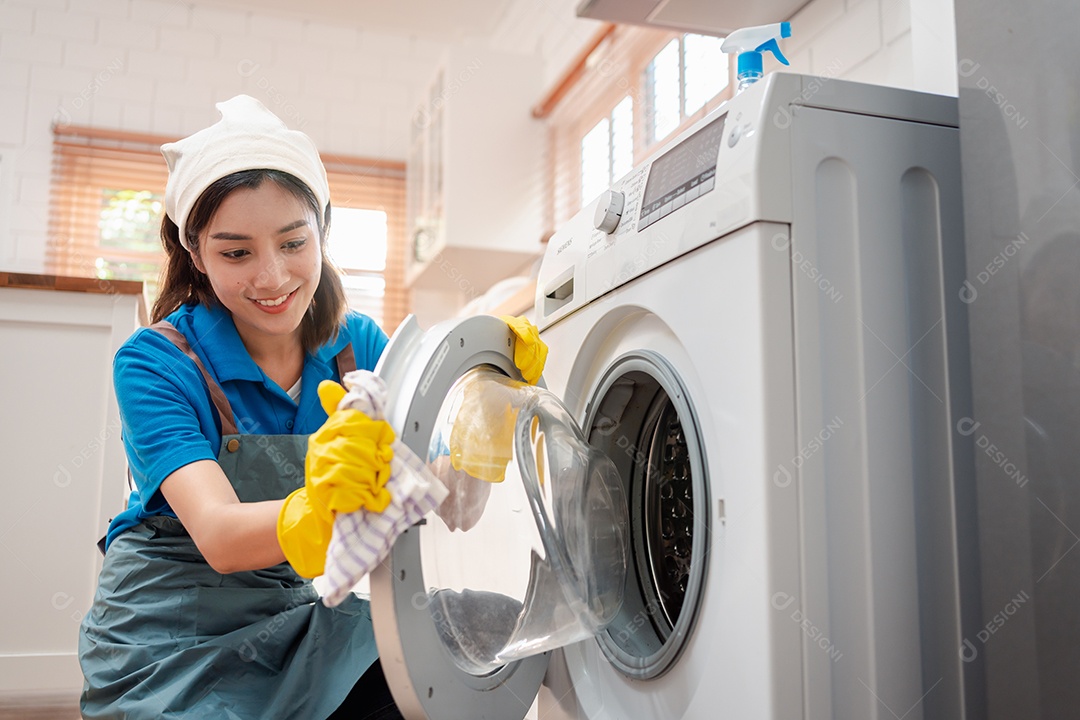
column 528, row 553
column 642, row 418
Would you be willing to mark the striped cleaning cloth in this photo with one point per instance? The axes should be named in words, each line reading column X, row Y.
column 362, row 539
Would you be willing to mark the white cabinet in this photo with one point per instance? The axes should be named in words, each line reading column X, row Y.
column 63, row 472
column 476, row 173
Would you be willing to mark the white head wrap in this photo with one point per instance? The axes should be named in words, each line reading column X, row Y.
column 247, row 137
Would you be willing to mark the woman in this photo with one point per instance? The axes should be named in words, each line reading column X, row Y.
column 201, row 610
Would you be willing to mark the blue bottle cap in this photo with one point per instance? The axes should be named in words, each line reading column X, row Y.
column 748, row 62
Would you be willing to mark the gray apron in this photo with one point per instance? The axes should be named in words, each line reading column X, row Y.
column 168, row 637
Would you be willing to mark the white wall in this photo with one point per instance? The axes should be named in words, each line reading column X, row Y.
column 547, row 29
column 900, row 43
column 157, row 67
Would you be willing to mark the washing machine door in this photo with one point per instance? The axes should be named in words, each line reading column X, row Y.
column 528, row 552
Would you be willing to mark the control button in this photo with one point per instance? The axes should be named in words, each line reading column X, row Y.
column 736, row 133
column 233, row 445
column 609, row 211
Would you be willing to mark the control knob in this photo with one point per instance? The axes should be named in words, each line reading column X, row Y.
column 609, row 211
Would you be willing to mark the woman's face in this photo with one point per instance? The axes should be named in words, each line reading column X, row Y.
column 261, row 254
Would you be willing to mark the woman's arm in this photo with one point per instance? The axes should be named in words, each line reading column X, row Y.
column 232, row 535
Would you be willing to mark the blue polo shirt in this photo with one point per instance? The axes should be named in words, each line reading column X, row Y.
column 167, row 417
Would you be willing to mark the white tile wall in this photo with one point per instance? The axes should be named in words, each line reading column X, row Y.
column 157, row 66
column 91, row 56
column 124, row 33
column 13, row 119
column 101, row 8
column 16, row 18
column 816, row 17
column 895, row 62
column 161, row 12
column 895, row 19
column 852, row 38
column 190, row 42
column 867, row 41
column 44, row 76
column 30, row 47
column 550, row 29
column 59, row 23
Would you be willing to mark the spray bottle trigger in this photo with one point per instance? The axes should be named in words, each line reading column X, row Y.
column 772, row 46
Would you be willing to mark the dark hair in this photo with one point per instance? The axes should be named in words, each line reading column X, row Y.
column 183, row 283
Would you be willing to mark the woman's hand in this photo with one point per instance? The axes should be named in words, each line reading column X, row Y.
column 530, row 352
column 347, row 468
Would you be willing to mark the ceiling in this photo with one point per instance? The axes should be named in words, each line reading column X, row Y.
column 444, row 20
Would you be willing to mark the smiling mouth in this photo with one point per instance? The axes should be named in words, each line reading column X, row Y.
column 275, row 301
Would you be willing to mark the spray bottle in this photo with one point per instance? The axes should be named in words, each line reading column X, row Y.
column 750, row 43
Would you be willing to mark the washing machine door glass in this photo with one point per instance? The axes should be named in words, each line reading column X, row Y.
column 529, row 550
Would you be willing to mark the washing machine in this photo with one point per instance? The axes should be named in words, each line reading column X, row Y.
column 760, row 329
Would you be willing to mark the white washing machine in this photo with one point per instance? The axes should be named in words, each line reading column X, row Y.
column 760, row 327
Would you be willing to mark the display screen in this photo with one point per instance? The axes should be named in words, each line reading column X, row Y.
column 682, row 174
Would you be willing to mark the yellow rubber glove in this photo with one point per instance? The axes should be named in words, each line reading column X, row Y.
column 530, row 352
column 347, row 467
column 482, row 438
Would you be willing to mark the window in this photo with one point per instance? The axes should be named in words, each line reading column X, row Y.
column 358, row 245
column 706, row 70
column 688, row 72
column 629, row 88
column 622, row 138
column 108, row 201
column 665, row 92
column 607, row 151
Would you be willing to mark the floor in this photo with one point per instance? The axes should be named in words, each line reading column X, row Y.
column 40, row 710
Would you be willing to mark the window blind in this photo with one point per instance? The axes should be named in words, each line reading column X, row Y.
column 90, row 167
column 374, row 185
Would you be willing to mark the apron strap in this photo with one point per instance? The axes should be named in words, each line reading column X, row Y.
column 346, row 361
column 217, row 395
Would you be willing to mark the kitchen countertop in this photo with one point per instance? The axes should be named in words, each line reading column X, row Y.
column 32, row 281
